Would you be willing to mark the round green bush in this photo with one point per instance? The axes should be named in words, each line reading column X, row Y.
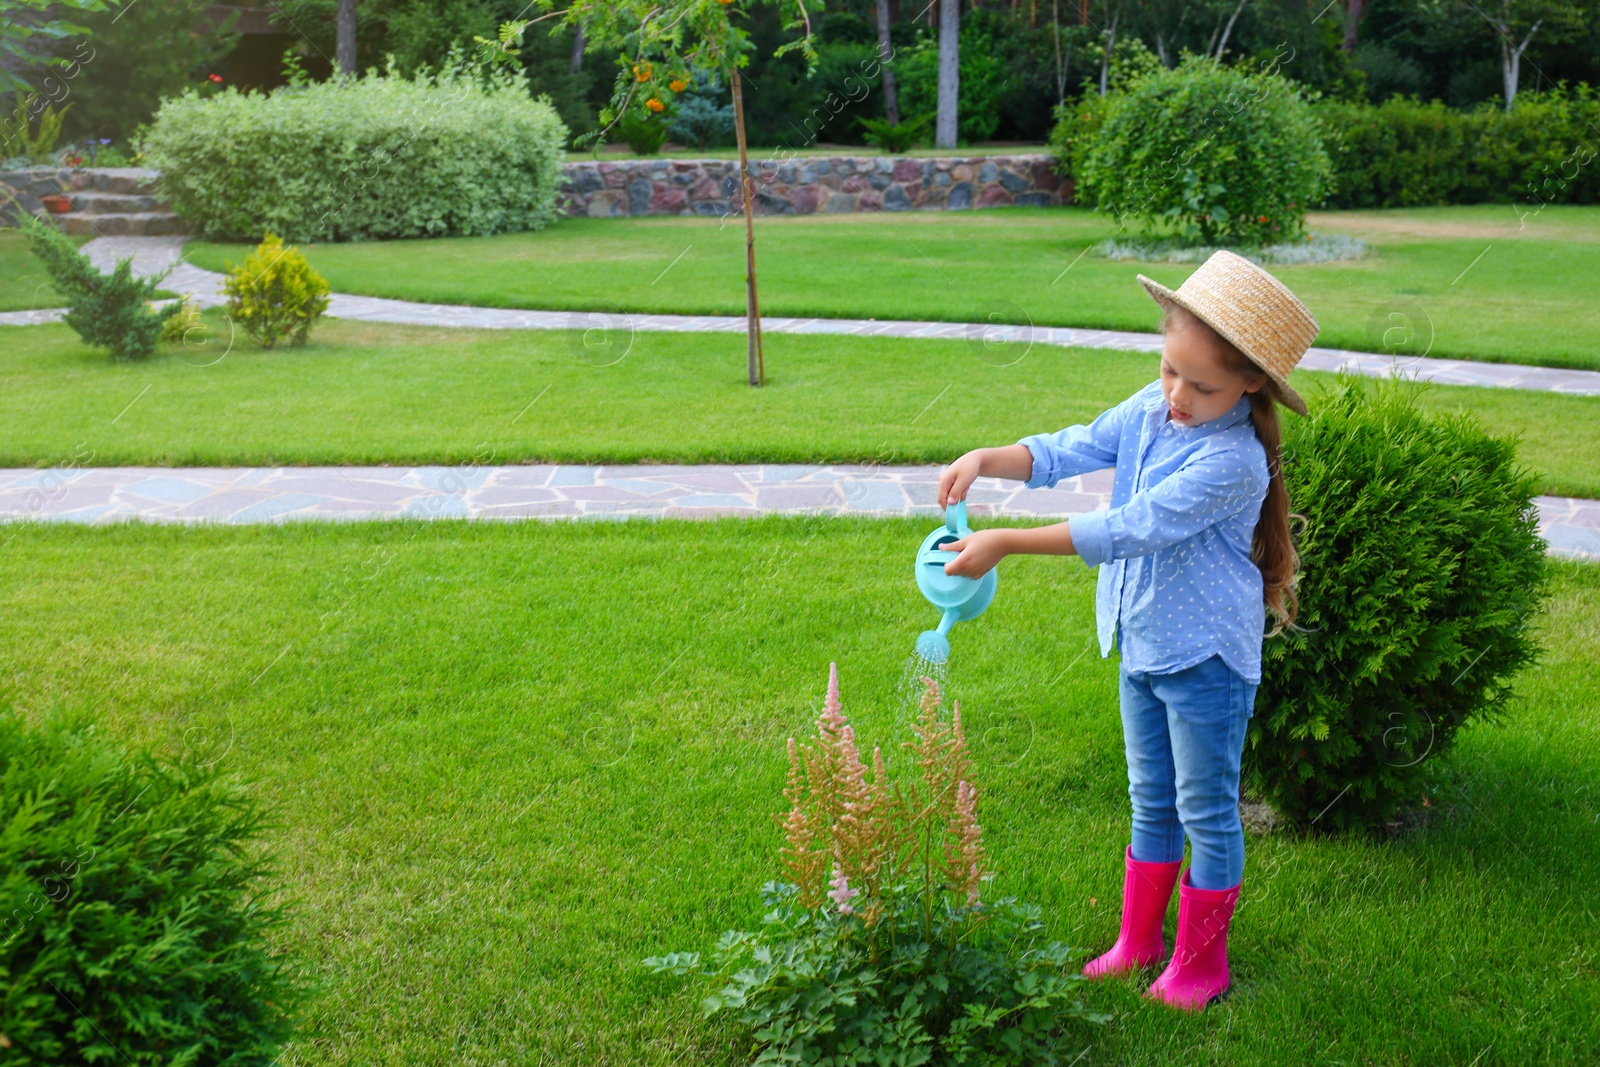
column 377, row 157
column 133, row 923
column 1421, row 572
column 1216, row 154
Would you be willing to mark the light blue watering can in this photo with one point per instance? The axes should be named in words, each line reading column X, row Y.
column 957, row 596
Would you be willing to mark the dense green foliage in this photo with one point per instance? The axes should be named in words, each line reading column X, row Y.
column 131, row 908
column 143, row 53
column 1404, row 153
column 1210, row 151
column 108, row 310
column 1422, row 573
column 381, row 156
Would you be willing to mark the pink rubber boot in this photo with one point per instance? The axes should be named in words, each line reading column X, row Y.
column 1198, row 971
column 1146, row 891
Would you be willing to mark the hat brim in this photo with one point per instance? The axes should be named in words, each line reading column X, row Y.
column 1166, row 298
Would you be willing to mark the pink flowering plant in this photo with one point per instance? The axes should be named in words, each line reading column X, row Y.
column 880, row 948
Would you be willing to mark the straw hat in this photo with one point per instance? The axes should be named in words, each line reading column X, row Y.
column 1251, row 309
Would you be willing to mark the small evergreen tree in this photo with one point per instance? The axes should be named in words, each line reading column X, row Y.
column 107, row 310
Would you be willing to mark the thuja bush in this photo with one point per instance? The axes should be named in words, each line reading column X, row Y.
column 1422, row 571
column 460, row 151
column 111, row 311
column 134, row 916
column 1213, row 153
column 880, row 947
column 275, row 294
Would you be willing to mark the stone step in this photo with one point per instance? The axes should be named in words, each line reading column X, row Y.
column 125, row 181
column 128, row 224
column 92, row 203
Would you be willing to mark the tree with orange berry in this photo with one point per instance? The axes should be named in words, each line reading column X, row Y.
column 661, row 43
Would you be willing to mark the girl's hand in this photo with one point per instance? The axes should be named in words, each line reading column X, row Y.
column 956, row 479
column 978, row 553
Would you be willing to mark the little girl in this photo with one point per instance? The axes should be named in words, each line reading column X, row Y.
column 1192, row 554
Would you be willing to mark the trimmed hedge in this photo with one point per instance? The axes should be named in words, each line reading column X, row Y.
column 1404, row 153
column 377, row 157
column 1422, row 569
column 133, row 927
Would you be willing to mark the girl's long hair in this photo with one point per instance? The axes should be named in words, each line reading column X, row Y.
column 1273, row 547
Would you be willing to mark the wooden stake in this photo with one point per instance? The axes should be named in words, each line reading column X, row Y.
column 758, row 367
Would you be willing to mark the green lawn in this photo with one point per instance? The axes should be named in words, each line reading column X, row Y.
column 1467, row 276
column 379, row 393
column 24, row 285
column 512, row 759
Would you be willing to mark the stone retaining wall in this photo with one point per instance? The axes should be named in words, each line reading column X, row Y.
column 806, row 186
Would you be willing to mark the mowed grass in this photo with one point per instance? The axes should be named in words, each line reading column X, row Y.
column 1477, row 282
column 510, row 760
column 24, row 285
column 372, row 393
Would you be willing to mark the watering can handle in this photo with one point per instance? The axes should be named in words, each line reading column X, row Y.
column 955, row 518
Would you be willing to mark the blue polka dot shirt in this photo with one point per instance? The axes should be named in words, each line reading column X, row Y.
column 1176, row 584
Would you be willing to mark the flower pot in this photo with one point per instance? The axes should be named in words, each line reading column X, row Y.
column 58, row 205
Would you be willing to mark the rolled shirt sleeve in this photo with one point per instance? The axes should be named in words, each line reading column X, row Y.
column 1080, row 449
column 1203, row 492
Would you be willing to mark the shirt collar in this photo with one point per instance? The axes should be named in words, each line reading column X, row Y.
column 1156, row 406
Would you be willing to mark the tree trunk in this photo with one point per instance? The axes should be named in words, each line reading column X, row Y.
column 1061, row 61
column 947, row 121
column 1353, row 11
column 1511, row 58
column 1105, row 59
column 757, row 364
column 579, row 42
column 891, row 102
column 1227, row 31
column 345, row 37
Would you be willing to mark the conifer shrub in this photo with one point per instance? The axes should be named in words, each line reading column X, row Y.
column 274, row 294
column 1421, row 573
column 134, row 910
column 111, row 311
column 881, row 947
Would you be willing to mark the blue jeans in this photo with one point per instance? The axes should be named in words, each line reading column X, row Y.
column 1184, row 733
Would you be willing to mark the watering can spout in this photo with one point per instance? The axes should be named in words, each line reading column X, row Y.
column 956, row 596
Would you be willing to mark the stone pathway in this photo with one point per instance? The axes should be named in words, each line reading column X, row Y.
column 277, row 494
column 152, row 254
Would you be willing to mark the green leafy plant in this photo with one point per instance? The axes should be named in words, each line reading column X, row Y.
column 881, row 949
column 644, row 133
column 16, row 140
column 1215, row 153
column 459, row 151
column 982, row 82
column 108, row 310
column 274, row 294
column 1422, row 573
column 1405, row 153
column 895, row 137
column 134, row 911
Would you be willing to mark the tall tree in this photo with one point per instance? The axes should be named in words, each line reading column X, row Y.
column 344, row 48
column 891, row 103
column 949, row 112
column 1517, row 22
column 659, row 46
column 1353, row 10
